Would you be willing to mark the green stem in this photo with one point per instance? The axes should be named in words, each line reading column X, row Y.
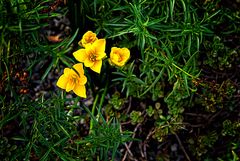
column 103, row 95
column 93, row 110
column 183, row 71
column 100, row 104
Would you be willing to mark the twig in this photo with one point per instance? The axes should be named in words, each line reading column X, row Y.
column 133, row 136
column 181, row 146
column 134, row 133
column 130, row 144
column 145, row 143
column 124, row 157
column 194, row 126
column 141, row 150
column 128, row 150
column 197, row 115
column 125, row 123
column 129, row 105
column 213, row 116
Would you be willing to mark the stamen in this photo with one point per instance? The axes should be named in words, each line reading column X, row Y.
column 92, row 57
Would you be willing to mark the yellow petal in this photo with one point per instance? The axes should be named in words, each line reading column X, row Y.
column 99, row 46
column 82, row 80
column 70, row 85
column 101, row 56
column 88, row 62
column 97, row 66
column 67, row 72
column 79, row 68
column 80, row 90
column 80, row 55
column 115, row 57
column 62, row 82
column 126, row 53
column 87, row 46
column 120, row 64
column 113, row 49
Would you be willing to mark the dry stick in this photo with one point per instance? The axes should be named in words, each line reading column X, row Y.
column 128, row 150
column 134, row 159
column 194, row 126
column 197, row 115
column 126, row 144
column 145, row 143
column 213, row 116
column 134, row 134
column 181, row 146
column 130, row 104
column 130, row 144
column 124, row 157
column 141, row 150
column 125, row 123
column 145, row 150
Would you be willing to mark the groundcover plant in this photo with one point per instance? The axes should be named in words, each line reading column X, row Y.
column 120, row 80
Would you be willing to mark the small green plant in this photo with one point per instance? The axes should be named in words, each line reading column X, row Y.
column 219, row 56
column 130, row 82
column 165, row 72
column 7, row 149
column 136, row 117
column 105, row 138
column 203, row 143
column 215, row 95
column 230, row 128
column 116, row 101
column 233, row 155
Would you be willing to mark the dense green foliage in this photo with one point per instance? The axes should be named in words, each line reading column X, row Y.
column 180, row 86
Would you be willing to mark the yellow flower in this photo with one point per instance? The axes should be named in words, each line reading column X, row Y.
column 92, row 55
column 119, row 56
column 73, row 79
column 88, row 38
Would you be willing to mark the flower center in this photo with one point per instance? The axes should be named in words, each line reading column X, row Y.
column 92, row 57
column 117, row 57
column 74, row 79
column 90, row 39
column 120, row 58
